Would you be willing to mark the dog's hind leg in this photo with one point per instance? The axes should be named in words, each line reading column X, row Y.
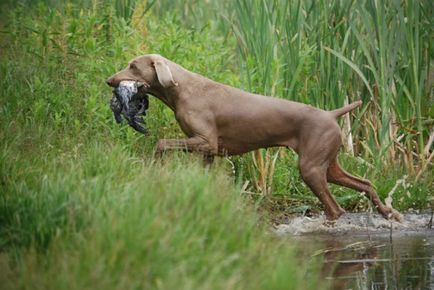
column 315, row 177
column 336, row 175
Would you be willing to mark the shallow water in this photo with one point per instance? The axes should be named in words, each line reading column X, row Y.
column 362, row 252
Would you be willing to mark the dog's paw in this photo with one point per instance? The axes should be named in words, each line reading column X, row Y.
column 392, row 214
column 395, row 216
column 329, row 223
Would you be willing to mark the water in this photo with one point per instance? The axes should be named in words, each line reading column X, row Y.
column 366, row 252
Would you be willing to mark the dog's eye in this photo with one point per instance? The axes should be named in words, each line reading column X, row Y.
column 133, row 66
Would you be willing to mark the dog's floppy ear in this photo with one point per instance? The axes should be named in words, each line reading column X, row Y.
column 164, row 74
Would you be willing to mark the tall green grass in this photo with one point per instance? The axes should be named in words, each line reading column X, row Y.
column 322, row 53
column 328, row 53
column 110, row 220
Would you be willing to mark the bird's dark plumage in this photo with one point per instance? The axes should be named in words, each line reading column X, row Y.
column 125, row 103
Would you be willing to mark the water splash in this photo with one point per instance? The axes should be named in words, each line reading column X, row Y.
column 362, row 223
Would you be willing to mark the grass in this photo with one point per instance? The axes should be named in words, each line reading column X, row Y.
column 321, row 53
column 109, row 220
column 84, row 205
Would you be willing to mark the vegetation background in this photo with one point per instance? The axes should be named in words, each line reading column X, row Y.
column 84, row 206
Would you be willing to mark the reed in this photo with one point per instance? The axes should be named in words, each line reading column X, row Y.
column 320, row 53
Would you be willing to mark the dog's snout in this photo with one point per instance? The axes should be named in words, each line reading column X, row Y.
column 110, row 82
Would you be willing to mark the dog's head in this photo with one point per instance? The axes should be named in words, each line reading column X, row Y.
column 151, row 71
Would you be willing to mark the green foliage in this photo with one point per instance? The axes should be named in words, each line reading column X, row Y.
column 321, row 53
column 110, row 220
column 325, row 54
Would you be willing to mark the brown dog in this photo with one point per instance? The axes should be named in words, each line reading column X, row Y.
column 222, row 120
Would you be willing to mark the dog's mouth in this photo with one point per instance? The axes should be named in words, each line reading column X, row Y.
column 139, row 84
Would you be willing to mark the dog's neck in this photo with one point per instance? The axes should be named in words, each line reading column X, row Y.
column 171, row 96
column 168, row 96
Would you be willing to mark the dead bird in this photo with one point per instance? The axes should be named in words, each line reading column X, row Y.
column 126, row 103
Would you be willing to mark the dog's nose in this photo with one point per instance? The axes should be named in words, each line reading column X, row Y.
column 109, row 81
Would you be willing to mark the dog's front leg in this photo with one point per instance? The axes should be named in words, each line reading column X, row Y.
column 195, row 144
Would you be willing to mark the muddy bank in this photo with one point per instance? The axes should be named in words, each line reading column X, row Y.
column 357, row 223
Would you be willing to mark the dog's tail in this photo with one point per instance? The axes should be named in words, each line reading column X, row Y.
column 339, row 112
